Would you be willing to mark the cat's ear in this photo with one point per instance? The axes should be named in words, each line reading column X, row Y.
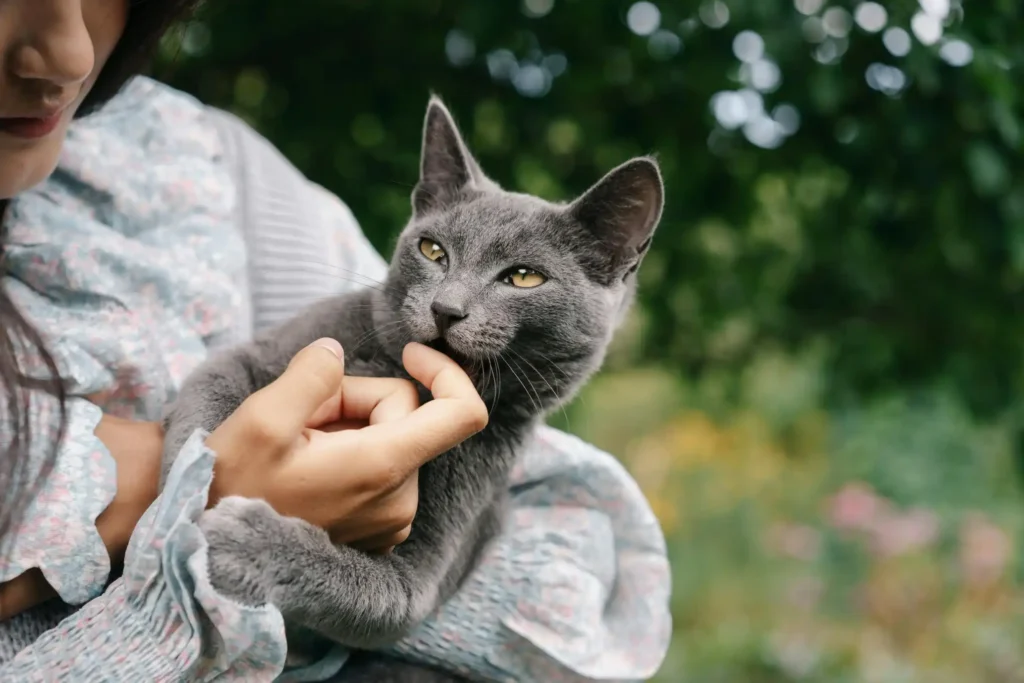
column 446, row 166
column 622, row 209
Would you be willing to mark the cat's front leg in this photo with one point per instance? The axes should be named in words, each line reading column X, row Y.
column 359, row 600
column 207, row 398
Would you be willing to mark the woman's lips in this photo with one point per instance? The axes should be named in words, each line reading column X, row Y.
column 30, row 128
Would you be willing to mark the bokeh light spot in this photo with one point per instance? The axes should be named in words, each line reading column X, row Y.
column 896, row 41
column 927, row 28
column 957, row 52
column 870, row 16
column 459, row 48
column 748, row 46
column 643, row 18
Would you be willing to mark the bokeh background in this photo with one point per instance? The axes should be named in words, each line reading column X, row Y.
column 820, row 390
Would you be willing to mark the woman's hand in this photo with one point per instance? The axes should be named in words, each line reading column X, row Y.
column 343, row 452
column 339, row 452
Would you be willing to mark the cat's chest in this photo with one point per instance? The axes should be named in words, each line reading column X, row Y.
column 482, row 463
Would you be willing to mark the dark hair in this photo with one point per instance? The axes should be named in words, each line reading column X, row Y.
column 147, row 22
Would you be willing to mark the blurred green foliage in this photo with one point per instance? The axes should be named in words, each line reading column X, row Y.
column 820, row 390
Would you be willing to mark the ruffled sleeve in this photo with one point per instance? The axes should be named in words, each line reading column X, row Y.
column 162, row 621
column 57, row 532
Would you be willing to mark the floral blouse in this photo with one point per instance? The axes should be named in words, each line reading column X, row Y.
column 130, row 261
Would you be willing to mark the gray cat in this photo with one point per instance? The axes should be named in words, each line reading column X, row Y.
column 524, row 294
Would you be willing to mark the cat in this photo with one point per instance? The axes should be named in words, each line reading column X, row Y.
column 524, row 293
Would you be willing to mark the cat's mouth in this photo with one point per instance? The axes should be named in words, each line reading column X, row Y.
column 440, row 344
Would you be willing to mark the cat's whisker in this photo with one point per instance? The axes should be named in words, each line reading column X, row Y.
column 379, row 331
column 554, row 393
column 581, row 397
column 493, row 373
column 523, row 358
column 369, row 306
column 536, row 404
column 549, row 363
column 497, row 376
column 375, row 308
column 505, row 361
column 382, row 331
column 355, row 281
column 399, row 183
column 366, row 279
column 479, row 372
column 532, row 385
column 555, row 366
column 408, row 339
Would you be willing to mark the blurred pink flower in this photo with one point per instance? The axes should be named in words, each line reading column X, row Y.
column 899, row 533
column 985, row 550
column 796, row 541
column 856, row 507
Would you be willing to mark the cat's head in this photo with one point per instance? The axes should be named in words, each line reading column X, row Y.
column 521, row 291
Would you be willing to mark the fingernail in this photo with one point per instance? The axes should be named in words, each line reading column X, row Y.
column 331, row 345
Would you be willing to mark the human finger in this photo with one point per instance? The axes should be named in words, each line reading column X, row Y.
column 281, row 410
column 377, row 399
column 456, row 413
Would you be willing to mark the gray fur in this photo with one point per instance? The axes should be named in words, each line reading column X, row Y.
column 528, row 351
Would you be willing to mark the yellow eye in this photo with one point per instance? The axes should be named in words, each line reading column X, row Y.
column 432, row 250
column 525, row 278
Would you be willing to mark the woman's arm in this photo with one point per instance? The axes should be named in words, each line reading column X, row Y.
column 161, row 620
column 136, row 449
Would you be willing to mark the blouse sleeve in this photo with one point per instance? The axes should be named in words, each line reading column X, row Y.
column 162, row 621
column 56, row 532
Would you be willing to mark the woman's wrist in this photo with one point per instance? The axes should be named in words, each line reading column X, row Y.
column 137, row 449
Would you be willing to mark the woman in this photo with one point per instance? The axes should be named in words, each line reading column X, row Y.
column 150, row 243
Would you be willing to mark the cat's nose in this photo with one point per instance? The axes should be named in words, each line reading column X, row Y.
column 446, row 315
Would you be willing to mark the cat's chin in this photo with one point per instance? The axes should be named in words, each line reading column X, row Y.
column 444, row 347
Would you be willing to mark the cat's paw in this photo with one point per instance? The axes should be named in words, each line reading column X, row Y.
column 243, row 535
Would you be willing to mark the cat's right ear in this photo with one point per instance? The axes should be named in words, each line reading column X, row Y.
column 623, row 209
column 446, row 166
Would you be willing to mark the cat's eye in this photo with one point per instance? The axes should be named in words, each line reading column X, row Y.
column 524, row 277
column 432, row 250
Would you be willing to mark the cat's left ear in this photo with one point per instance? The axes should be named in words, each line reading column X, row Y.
column 446, row 166
column 622, row 209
